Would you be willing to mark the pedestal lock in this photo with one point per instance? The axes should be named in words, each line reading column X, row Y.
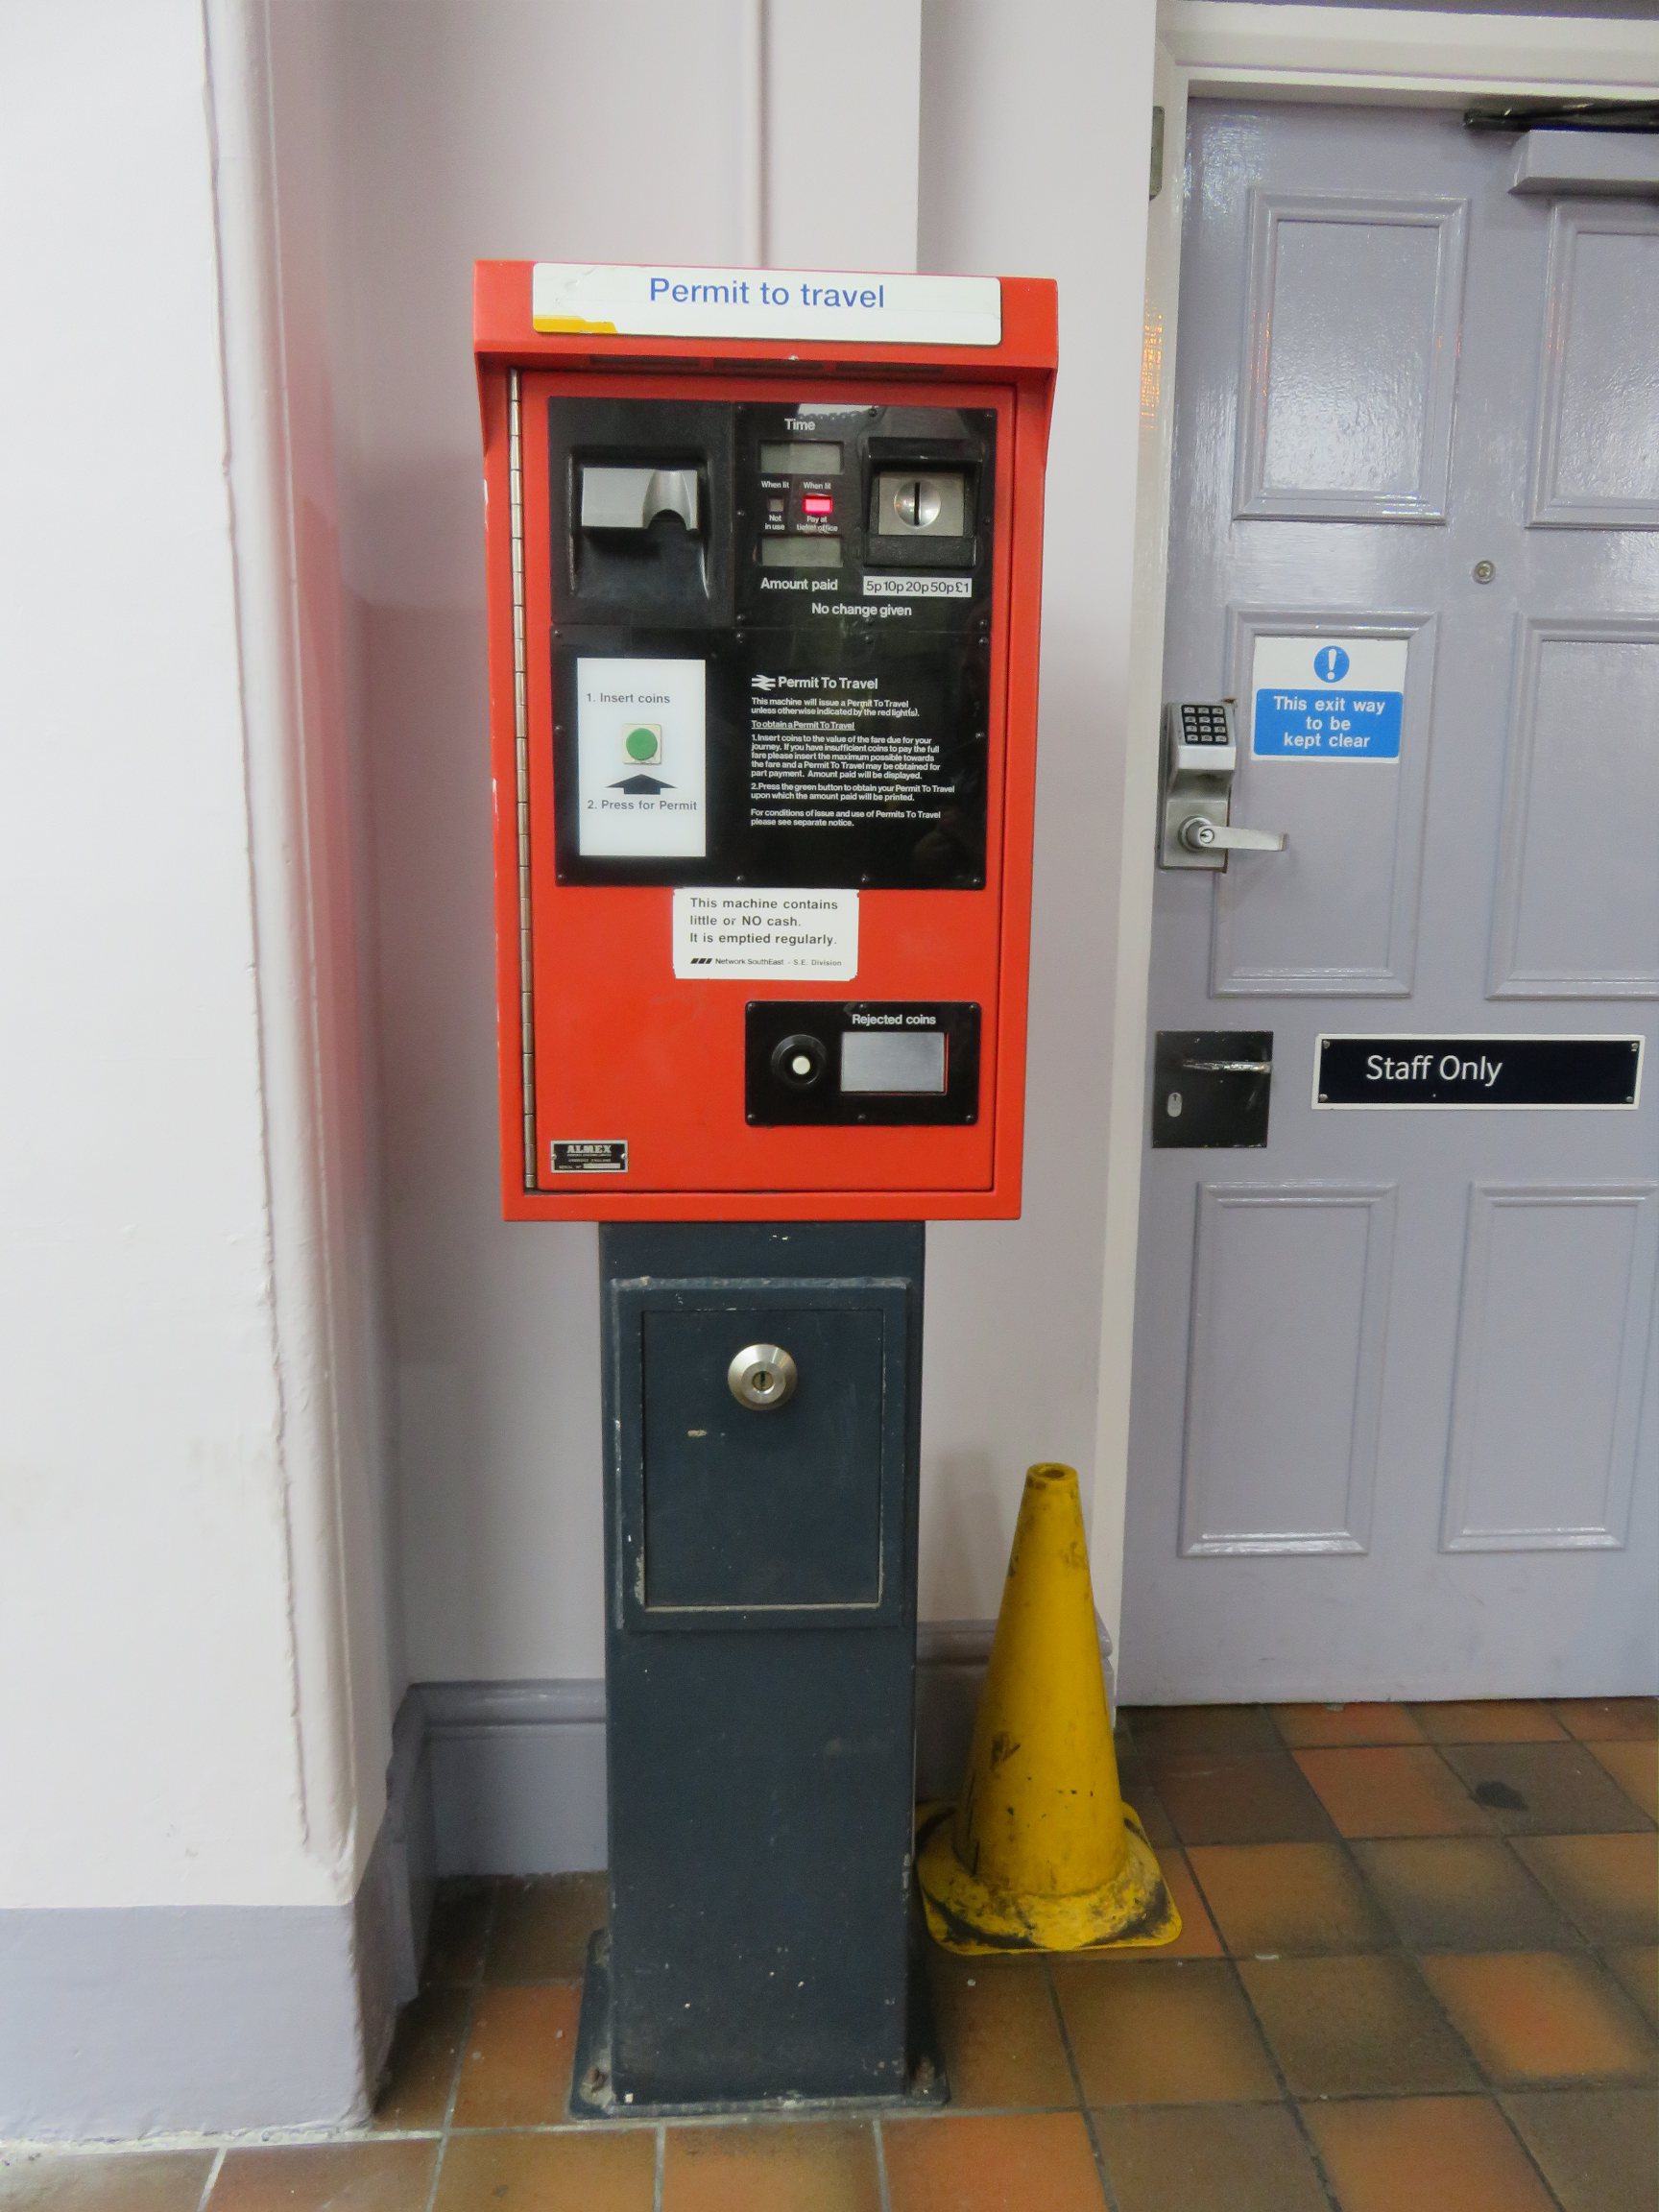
column 762, row 1376
column 1200, row 759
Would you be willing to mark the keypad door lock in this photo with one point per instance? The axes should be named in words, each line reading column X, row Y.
column 1200, row 759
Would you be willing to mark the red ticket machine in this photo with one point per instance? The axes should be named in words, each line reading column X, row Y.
column 763, row 627
column 764, row 553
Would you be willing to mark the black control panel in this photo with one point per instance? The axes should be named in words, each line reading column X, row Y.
column 826, row 569
column 843, row 1063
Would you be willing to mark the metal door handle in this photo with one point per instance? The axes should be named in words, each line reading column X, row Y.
column 1201, row 835
column 1229, row 1066
column 762, row 1376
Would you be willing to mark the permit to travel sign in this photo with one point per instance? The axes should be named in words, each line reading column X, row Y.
column 1326, row 698
column 642, row 300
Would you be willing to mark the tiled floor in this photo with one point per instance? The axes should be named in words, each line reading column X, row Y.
column 1418, row 1974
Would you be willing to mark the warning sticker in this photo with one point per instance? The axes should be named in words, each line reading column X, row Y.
column 1328, row 699
column 761, row 933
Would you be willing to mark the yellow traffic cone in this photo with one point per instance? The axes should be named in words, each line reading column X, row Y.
column 1043, row 1854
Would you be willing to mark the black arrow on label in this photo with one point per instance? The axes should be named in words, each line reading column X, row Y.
column 641, row 787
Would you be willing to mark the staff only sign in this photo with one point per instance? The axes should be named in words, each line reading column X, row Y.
column 1327, row 698
column 1503, row 1071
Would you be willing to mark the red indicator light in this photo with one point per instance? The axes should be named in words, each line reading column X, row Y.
column 817, row 506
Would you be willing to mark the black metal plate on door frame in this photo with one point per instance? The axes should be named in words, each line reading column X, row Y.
column 1211, row 1089
column 1473, row 1072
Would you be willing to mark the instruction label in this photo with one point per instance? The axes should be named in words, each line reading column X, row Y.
column 828, row 752
column 756, row 933
column 641, row 758
column 1327, row 698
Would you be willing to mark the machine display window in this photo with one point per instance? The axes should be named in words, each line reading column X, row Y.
column 901, row 1060
column 797, row 458
column 797, row 552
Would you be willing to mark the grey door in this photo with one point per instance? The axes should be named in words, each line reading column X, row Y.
column 1394, row 1430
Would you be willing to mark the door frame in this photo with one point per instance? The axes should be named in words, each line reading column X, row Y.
column 1368, row 57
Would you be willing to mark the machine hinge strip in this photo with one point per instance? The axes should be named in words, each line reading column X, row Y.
column 522, row 774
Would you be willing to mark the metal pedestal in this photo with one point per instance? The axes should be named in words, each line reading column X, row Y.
column 761, row 1564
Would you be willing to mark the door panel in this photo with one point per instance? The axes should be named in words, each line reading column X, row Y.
column 1339, row 913
column 1597, row 458
column 1578, row 901
column 1388, row 1392
column 1349, row 414
column 1282, row 1393
column 1557, row 1292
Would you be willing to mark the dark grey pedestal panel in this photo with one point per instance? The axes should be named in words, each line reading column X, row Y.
column 759, row 1656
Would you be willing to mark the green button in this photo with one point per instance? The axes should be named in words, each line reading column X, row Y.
column 641, row 744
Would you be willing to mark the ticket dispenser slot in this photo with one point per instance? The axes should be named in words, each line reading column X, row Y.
column 639, row 514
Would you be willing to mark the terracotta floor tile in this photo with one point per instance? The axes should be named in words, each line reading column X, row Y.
column 1305, row 1727
column 1354, row 2026
column 542, row 1928
column 1137, row 1786
column 1462, row 1894
column 1598, row 2147
column 1636, row 1969
column 1245, row 2157
column 1489, row 1720
column 584, row 2169
column 460, row 1925
column 1635, row 1768
column 1609, row 1884
column 1160, row 1731
column 1425, row 2154
column 1002, row 2042
column 808, row 2166
column 984, row 2162
column 1393, row 1790
column 1543, row 1789
column 1258, row 1797
column 1532, row 2016
column 324, row 2177
column 1197, row 1938
column 517, row 2071
column 1607, row 1719
column 94, row 2181
column 1288, row 1897
column 425, row 2049
column 1174, row 2033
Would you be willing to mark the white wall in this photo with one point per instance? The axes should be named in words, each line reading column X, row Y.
column 1036, row 122
column 507, row 128
column 510, row 128
column 176, row 1614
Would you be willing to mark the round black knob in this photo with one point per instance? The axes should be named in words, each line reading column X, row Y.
column 800, row 1061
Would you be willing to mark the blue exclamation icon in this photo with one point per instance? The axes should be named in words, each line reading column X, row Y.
column 1330, row 664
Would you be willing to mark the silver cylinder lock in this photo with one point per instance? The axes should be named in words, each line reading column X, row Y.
column 762, row 1376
